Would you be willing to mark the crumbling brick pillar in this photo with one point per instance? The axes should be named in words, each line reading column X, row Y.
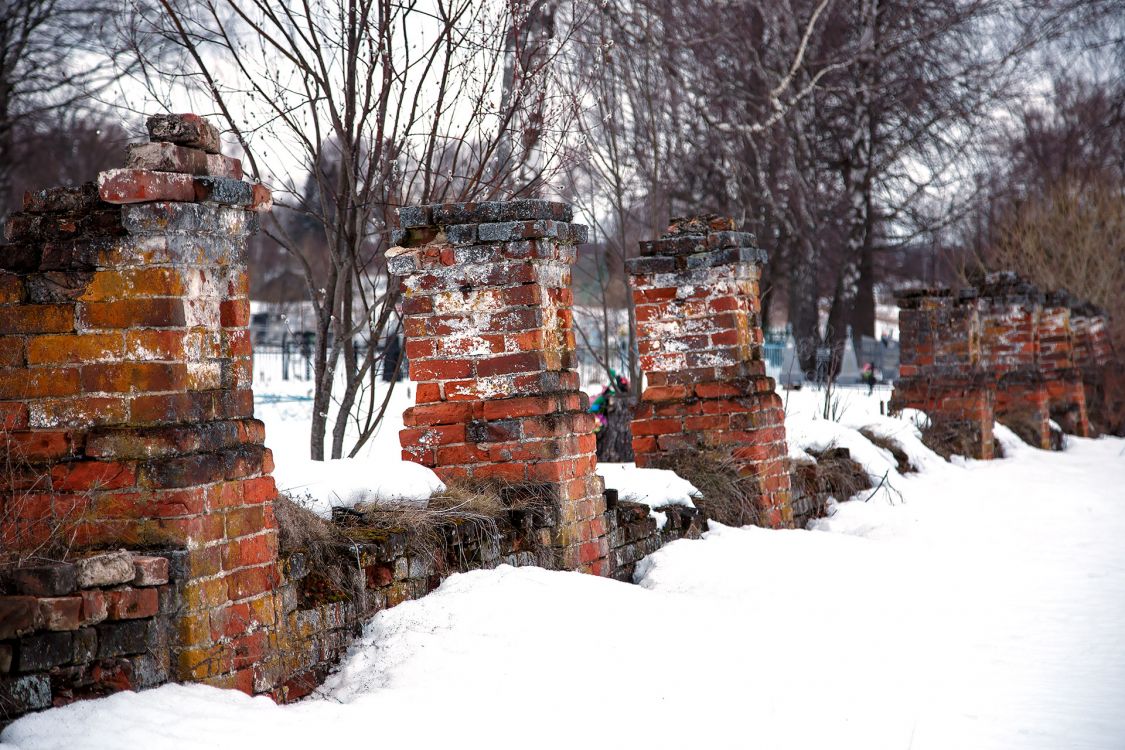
column 1104, row 387
column 1010, row 308
column 488, row 327
column 939, row 371
column 700, row 338
column 125, row 400
column 1065, row 393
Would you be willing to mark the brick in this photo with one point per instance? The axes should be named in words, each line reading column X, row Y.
column 37, row 319
column 234, row 313
column 185, row 130
column 141, row 186
column 132, row 313
column 60, row 613
column 74, row 349
column 150, row 570
column 52, row 579
column 18, row 615
column 132, row 603
column 94, row 608
column 109, row 569
column 38, row 653
column 132, row 377
column 86, row 476
column 122, row 638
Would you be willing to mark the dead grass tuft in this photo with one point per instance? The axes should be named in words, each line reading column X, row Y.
column 726, row 496
column 892, row 446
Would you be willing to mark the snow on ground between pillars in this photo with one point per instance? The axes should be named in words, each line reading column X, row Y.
column 321, row 486
column 656, row 488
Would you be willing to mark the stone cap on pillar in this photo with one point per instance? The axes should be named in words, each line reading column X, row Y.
column 487, row 223
column 1008, row 287
column 697, row 242
column 176, row 183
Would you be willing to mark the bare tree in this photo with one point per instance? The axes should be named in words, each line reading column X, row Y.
column 379, row 104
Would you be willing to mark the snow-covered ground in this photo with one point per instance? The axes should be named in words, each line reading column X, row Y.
column 979, row 605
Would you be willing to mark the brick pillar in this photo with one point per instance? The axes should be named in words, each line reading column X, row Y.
column 489, row 338
column 939, row 371
column 1093, row 355
column 125, row 400
column 700, row 338
column 1010, row 308
column 1065, row 393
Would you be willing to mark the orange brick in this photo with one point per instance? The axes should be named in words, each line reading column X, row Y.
column 133, row 283
column 11, row 351
column 33, row 319
column 128, row 377
column 133, row 313
column 39, row 382
column 75, row 349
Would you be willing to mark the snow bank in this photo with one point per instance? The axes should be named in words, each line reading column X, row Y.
column 983, row 612
column 344, row 483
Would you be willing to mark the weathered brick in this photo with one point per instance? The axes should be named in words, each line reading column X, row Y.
column 52, row 579
column 132, row 603
column 185, row 130
column 18, row 615
column 141, row 186
column 60, row 613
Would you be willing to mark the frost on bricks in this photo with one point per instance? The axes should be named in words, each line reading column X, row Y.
column 489, row 337
column 699, row 335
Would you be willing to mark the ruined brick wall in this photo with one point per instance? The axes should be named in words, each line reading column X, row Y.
column 81, row 630
column 125, row 401
column 1010, row 309
column 1065, row 393
column 941, row 370
column 489, row 338
column 634, row 533
column 699, row 332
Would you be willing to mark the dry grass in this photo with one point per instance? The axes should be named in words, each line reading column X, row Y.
column 726, row 496
column 951, row 438
column 892, row 446
column 834, row 474
column 465, row 512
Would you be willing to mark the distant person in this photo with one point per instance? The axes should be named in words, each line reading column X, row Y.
column 868, row 376
column 392, row 354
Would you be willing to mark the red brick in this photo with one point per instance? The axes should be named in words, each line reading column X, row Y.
column 234, row 313
column 13, row 416
column 248, row 551
column 248, row 582
column 94, row 608
column 75, row 349
column 259, row 490
column 132, row 604
column 60, row 612
column 140, row 186
column 509, row 364
column 41, row 445
column 151, row 570
column 445, row 369
column 92, row 475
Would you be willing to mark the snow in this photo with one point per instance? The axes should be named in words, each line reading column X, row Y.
column 982, row 609
column 656, row 488
column 346, row 482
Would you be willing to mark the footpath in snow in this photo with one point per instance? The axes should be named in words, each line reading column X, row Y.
column 985, row 609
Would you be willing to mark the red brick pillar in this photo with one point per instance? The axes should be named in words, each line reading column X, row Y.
column 700, row 338
column 489, row 339
column 939, row 371
column 1010, row 308
column 1065, row 393
column 125, row 369
column 1102, row 383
